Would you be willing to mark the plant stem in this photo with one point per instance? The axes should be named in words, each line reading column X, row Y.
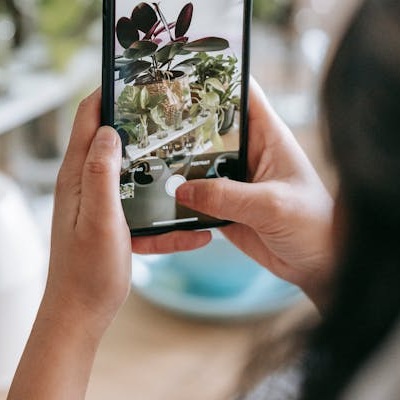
column 155, row 66
column 163, row 20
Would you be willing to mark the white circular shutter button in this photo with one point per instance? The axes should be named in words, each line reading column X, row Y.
column 173, row 182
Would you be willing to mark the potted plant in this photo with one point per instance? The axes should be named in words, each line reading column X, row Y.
column 216, row 80
column 152, row 45
column 139, row 113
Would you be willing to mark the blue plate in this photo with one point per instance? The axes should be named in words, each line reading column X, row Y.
column 215, row 282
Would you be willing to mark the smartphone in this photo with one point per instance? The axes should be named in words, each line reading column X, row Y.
column 175, row 87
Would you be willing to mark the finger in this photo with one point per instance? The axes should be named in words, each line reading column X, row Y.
column 226, row 199
column 68, row 188
column 260, row 107
column 100, row 200
column 86, row 123
column 171, row 242
column 266, row 129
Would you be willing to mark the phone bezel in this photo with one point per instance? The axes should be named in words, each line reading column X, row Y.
column 107, row 104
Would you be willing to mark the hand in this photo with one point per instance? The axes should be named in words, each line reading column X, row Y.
column 90, row 265
column 282, row 218
column 90, row 262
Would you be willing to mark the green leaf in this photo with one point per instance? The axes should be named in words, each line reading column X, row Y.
column 184, row 52
column 127, row 102
column 140, row 49
column 210, row 128
column 194, row 110
column 156, row 99
column 210, row 100
column 207, row 44
column 188, row 62
column 215, row 83
column 157, row 116
column 144, row 98
column 119, row 63
column 217, row 141
column 168, row 52
column 130, row 71
column 162, row 55
column 236, row 101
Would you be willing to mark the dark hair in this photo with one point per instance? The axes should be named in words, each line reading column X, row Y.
column 361, row 100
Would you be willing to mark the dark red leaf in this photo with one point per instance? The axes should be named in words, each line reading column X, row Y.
column 126, row 32
column 144, row 17
column 162, row 29
column 182, row 39
column 184, row 20
column 150, row 33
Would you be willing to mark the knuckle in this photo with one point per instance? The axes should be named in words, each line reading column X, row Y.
column 84, row 104
column 216, row 196
column 98, row 166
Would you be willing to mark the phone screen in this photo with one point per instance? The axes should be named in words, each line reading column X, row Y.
column 179, row 103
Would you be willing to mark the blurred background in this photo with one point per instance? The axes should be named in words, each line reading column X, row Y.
column 50, row 58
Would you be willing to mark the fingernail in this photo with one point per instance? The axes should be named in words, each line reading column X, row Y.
column 185, row 194
column 105, row 137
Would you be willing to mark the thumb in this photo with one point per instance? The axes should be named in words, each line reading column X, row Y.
column 225, row 199
column 100, row 178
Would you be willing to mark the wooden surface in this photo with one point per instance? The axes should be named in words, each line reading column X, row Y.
column 151, row 354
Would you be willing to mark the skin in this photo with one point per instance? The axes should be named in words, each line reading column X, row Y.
column 90, row 265
column 282, row 218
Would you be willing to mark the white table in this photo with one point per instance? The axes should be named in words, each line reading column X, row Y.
column 35, row 93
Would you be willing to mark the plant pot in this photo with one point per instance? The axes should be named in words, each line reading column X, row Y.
column 228, row 118
column 177, row 92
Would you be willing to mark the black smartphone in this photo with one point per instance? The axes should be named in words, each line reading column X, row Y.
column 175, row 87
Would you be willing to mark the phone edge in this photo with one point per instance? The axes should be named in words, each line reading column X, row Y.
column 108, row 91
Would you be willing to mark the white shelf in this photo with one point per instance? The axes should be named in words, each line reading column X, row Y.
column 135, row 153
column 33, row 94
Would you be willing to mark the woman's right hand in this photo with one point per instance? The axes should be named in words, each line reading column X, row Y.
column 283, row 216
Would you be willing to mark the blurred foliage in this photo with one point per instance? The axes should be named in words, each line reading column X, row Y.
column 64, row 25
column 275, row 12
column 67, row 18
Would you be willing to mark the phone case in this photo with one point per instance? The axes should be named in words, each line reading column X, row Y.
column 179, row 104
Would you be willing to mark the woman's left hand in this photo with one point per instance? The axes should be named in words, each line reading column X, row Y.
column 90, row 262
column 90, row 265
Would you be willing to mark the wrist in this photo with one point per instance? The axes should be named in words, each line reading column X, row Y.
column 64, row 341
column 77, row 318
